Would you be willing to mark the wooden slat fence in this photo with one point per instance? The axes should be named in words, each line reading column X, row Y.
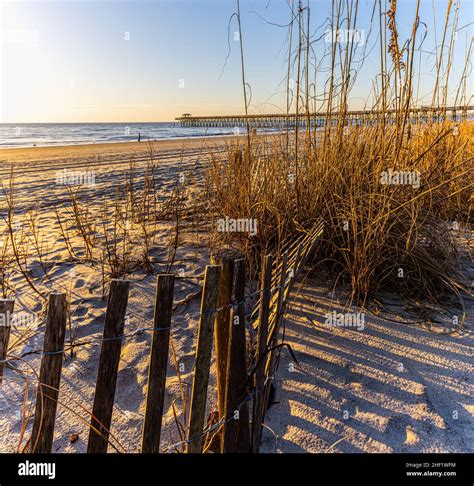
column 242, row 386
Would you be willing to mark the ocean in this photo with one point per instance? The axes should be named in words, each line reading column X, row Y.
column 47, row 134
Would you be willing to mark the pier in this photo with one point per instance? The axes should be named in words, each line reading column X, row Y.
column 368, row 117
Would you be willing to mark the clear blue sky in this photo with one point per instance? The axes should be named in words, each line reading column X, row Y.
column 69, row 61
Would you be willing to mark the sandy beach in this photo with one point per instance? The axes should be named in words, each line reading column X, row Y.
column 395, row 386
column 236, row 240
column 350, row 394
column 37, row 191
column 104, row 150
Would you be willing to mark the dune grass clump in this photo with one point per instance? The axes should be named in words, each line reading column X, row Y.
column 390, row 215
column 392, row 193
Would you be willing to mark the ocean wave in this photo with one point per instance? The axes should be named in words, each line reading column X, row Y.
column 51, row 134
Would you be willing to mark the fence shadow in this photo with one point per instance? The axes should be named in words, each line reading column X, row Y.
column 390, row 387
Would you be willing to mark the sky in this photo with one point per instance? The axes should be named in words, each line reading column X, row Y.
column 139, row 60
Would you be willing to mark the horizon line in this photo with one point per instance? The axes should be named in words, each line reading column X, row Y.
column 82, row 122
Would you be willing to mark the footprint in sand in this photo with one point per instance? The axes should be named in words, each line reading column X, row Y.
column 396, row 430
column 79, row 283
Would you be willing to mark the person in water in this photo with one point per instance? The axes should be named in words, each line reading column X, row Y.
column 139, row 137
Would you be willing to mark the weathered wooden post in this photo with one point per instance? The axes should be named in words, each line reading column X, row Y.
column 50, row 375
column 6, row 311
column 273, row 338
column 203, row 358
column 108, row 367
column 158, row 364
column 236, row 433
column 262, row 336
column 225, row 258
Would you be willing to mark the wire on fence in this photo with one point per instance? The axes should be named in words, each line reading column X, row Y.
column 232, row 305
column 213, row 427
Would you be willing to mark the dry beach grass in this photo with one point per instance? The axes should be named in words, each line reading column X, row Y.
column 394, row 197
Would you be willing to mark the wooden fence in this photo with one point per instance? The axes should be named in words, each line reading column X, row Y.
column 243, row 384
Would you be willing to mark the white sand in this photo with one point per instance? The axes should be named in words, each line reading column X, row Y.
column 35, row 176
column 424, row 406
column 391, row 387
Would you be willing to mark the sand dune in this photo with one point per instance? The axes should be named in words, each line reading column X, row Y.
column 395, row 387
column 35, row 172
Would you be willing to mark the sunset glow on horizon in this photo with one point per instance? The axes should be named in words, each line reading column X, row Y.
column 140, row 61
